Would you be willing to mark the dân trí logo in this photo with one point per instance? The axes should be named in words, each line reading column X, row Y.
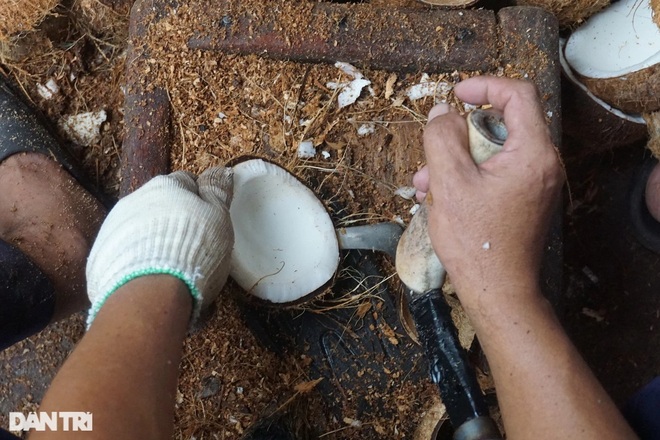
column 50, row 421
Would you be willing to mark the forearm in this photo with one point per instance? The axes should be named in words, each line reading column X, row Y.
column 125, row 369
column 544, row 387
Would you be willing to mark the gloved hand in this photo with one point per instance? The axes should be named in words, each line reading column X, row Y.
column 178, row 225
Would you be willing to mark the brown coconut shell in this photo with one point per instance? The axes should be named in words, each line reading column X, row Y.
column 23, row 16
column 568, row 12
column 595, row 128
column 635, row 92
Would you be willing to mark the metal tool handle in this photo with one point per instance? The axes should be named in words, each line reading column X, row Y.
column 450, row 369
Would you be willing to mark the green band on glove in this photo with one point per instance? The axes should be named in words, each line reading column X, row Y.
column 197, row 297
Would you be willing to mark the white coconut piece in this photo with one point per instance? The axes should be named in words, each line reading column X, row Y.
column 349, row 69
column 426, row 88
column 306, row 150
column 49, row 90
column 84, row 128
column 406, row 192
column 351, row 92
column 616, row 54
column 285, row 242
column 366, row 129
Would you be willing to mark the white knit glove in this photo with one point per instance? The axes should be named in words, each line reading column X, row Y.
column 177, row 225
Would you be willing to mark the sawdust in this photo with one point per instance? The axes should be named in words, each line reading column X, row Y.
column 87, row 67
column 18, row 16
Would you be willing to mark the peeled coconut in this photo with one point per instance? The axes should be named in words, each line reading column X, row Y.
column 285, row 246
column 616, row 53
column 596, row 124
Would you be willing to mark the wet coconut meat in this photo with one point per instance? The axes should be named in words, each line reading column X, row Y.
column 285, row 242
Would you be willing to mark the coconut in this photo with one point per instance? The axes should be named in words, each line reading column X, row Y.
column 596, row 124
column 616, row 54
column 655, row 6
column 568, row 12
column 285, row 242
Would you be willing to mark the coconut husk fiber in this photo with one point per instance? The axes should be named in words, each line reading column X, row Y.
column 593, row 125
column 655, row 7
column 569, row 13
column 635, row 92
column 653, row 125
column 18, row 16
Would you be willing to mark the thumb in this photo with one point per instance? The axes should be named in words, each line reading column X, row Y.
column 216, row 186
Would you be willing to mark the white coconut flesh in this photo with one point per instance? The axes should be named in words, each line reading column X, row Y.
column 285, row 242
column 616, row 41
column 569, row 73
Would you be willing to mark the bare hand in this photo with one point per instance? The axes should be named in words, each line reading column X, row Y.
column 488, row 222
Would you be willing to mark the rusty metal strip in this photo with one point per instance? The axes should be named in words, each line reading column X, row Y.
column 402, row 40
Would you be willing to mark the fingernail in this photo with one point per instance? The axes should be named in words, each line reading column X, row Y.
column 439, row 110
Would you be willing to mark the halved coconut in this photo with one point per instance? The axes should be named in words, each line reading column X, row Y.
column 568, row 12
column 616, row 55
column 598, row 125
column 285, row 242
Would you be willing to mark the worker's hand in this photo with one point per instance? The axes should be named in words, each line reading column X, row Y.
column 178, row 225
column 488, row 223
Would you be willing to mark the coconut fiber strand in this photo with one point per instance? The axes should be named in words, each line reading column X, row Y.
column 653, row 125
column 22, row 15
column 655, row 7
